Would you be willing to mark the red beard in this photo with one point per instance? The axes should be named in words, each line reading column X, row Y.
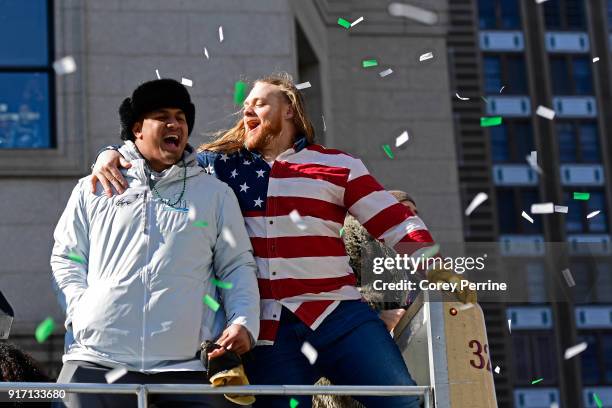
column 263, row 136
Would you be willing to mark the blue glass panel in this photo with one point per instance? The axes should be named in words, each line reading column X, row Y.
column 607, row 355
column 499, row 144
column 560, row 76
column 506, row 211
column 589, row 143
column 589, row 360
column 486, row 14
column 582, row 76
column 510, row 12
column 574, row 11
column 24, row 110
column 575, row 214
column 492, row 74
column 529, row 197
column 567, row 143
column 523, row 135
column 24, row 32
column 552, row 15
column 517, row 75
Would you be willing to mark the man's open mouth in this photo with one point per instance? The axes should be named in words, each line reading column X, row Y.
column 171, row 141
column 253, row 124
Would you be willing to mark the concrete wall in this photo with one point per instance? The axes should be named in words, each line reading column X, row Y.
column 119, row 44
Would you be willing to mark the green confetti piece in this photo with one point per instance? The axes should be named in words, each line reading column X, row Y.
column 200, row 224
column 44, row 330
column 492, row 121
column 344, row 23
column 239, row 92
column 341, row 232
column 293, row 403
column 387, row 150
column 210, row 302
column 369, row 63
column 597, row 401
column 221, row 284
column 537, row 381
column 581, row 196
column 73, row 256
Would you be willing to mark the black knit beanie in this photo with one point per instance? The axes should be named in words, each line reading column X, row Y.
column 153, row 95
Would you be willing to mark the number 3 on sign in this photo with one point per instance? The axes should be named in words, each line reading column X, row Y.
column 478, row 353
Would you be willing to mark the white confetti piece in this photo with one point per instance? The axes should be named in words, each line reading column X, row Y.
column 323, row 119
column 575, row 350
column 569, row 279
column 545, row 112
column 297, row 220
column 359, row 20
column 220, row 33
column 595, row 59
column 310, row 352
column 466, row 306
column 303, row 85
column 115, row 374
column 414, row 13
column 426, row 56
column 593, row 214
column 186, row 82
column 540, row 1
column 206, row 53
column 228, row 237
column 527, row 217
column 501, row 89
column 401, row 139
column 476, row 201
column 554, row 405
column 542, row 208
column 561, row 209
column 386, row 72
column 532, row 160
column 510, row 325
column 497, row 369
column 157, row 74
column 64, row 66
column 463, row 99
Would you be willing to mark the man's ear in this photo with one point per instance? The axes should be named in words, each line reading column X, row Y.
column 137, row 129
column 289, row 112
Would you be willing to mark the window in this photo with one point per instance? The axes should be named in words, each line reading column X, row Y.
column 505, row 70
column 593, row 281
column 578, row 142
column 576, row 220
column 596, row 360
column 499, row 14
column 26, row 75
column 534, row 357
column 511, row 202
column 565, row 15
column 511, row 141
column 571, row 75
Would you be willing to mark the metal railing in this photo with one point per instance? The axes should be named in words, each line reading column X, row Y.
column 143, row 390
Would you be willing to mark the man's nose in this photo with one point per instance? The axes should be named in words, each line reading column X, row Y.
column 172, row 123
column 248, row 111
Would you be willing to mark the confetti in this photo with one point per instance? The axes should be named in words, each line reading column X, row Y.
column 342, row 22
column 369, row 63
column 542, row 208
column 157, row 73
column 44, row 329
column 303, row 85
column 297, row 220
column 561, row 209
column 413, row 13
column 545, row 112
column 581, row 196
column 206, row 53
column 466, row 306
column 492, row 121
column 186, row 82
column 293, row 403
column 527, row 217
column 510, row 325
column 484, row 99
column 532, row 160
column 200, row 224
column 386, row 72
column 310, row 352
column 64, row 66
column 597, row 401
column 221, row 284
column 569, row 279
column 73, row 256
column 595, row 59
column 575, row 350
column 497, row 369
column 115, row 374
column 240, row 88
column 387, row 150
column 593, row 214
column 220, row 33
column 228, row 237
column 426, row 56
column 341, row 232
column 537, row 381
column 210, row 302
column 323, row 119
column 463, row 99
column 501, row 89
column 401, row 139
column 359, row 20
column 540, row 1
column 476, row 201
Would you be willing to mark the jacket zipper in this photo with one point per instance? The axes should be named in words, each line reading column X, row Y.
column 145, row 272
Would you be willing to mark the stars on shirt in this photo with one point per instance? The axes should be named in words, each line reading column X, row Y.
column 244, row 187
column 260, row 173
column 246, row 162
column 209, row 169
column 224, row 157
column 258, row 202
column 233, row 174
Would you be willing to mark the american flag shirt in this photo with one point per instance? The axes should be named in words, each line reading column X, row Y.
column 303, row 265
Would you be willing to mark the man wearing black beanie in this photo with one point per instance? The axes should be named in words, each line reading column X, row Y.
column 132, row 270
